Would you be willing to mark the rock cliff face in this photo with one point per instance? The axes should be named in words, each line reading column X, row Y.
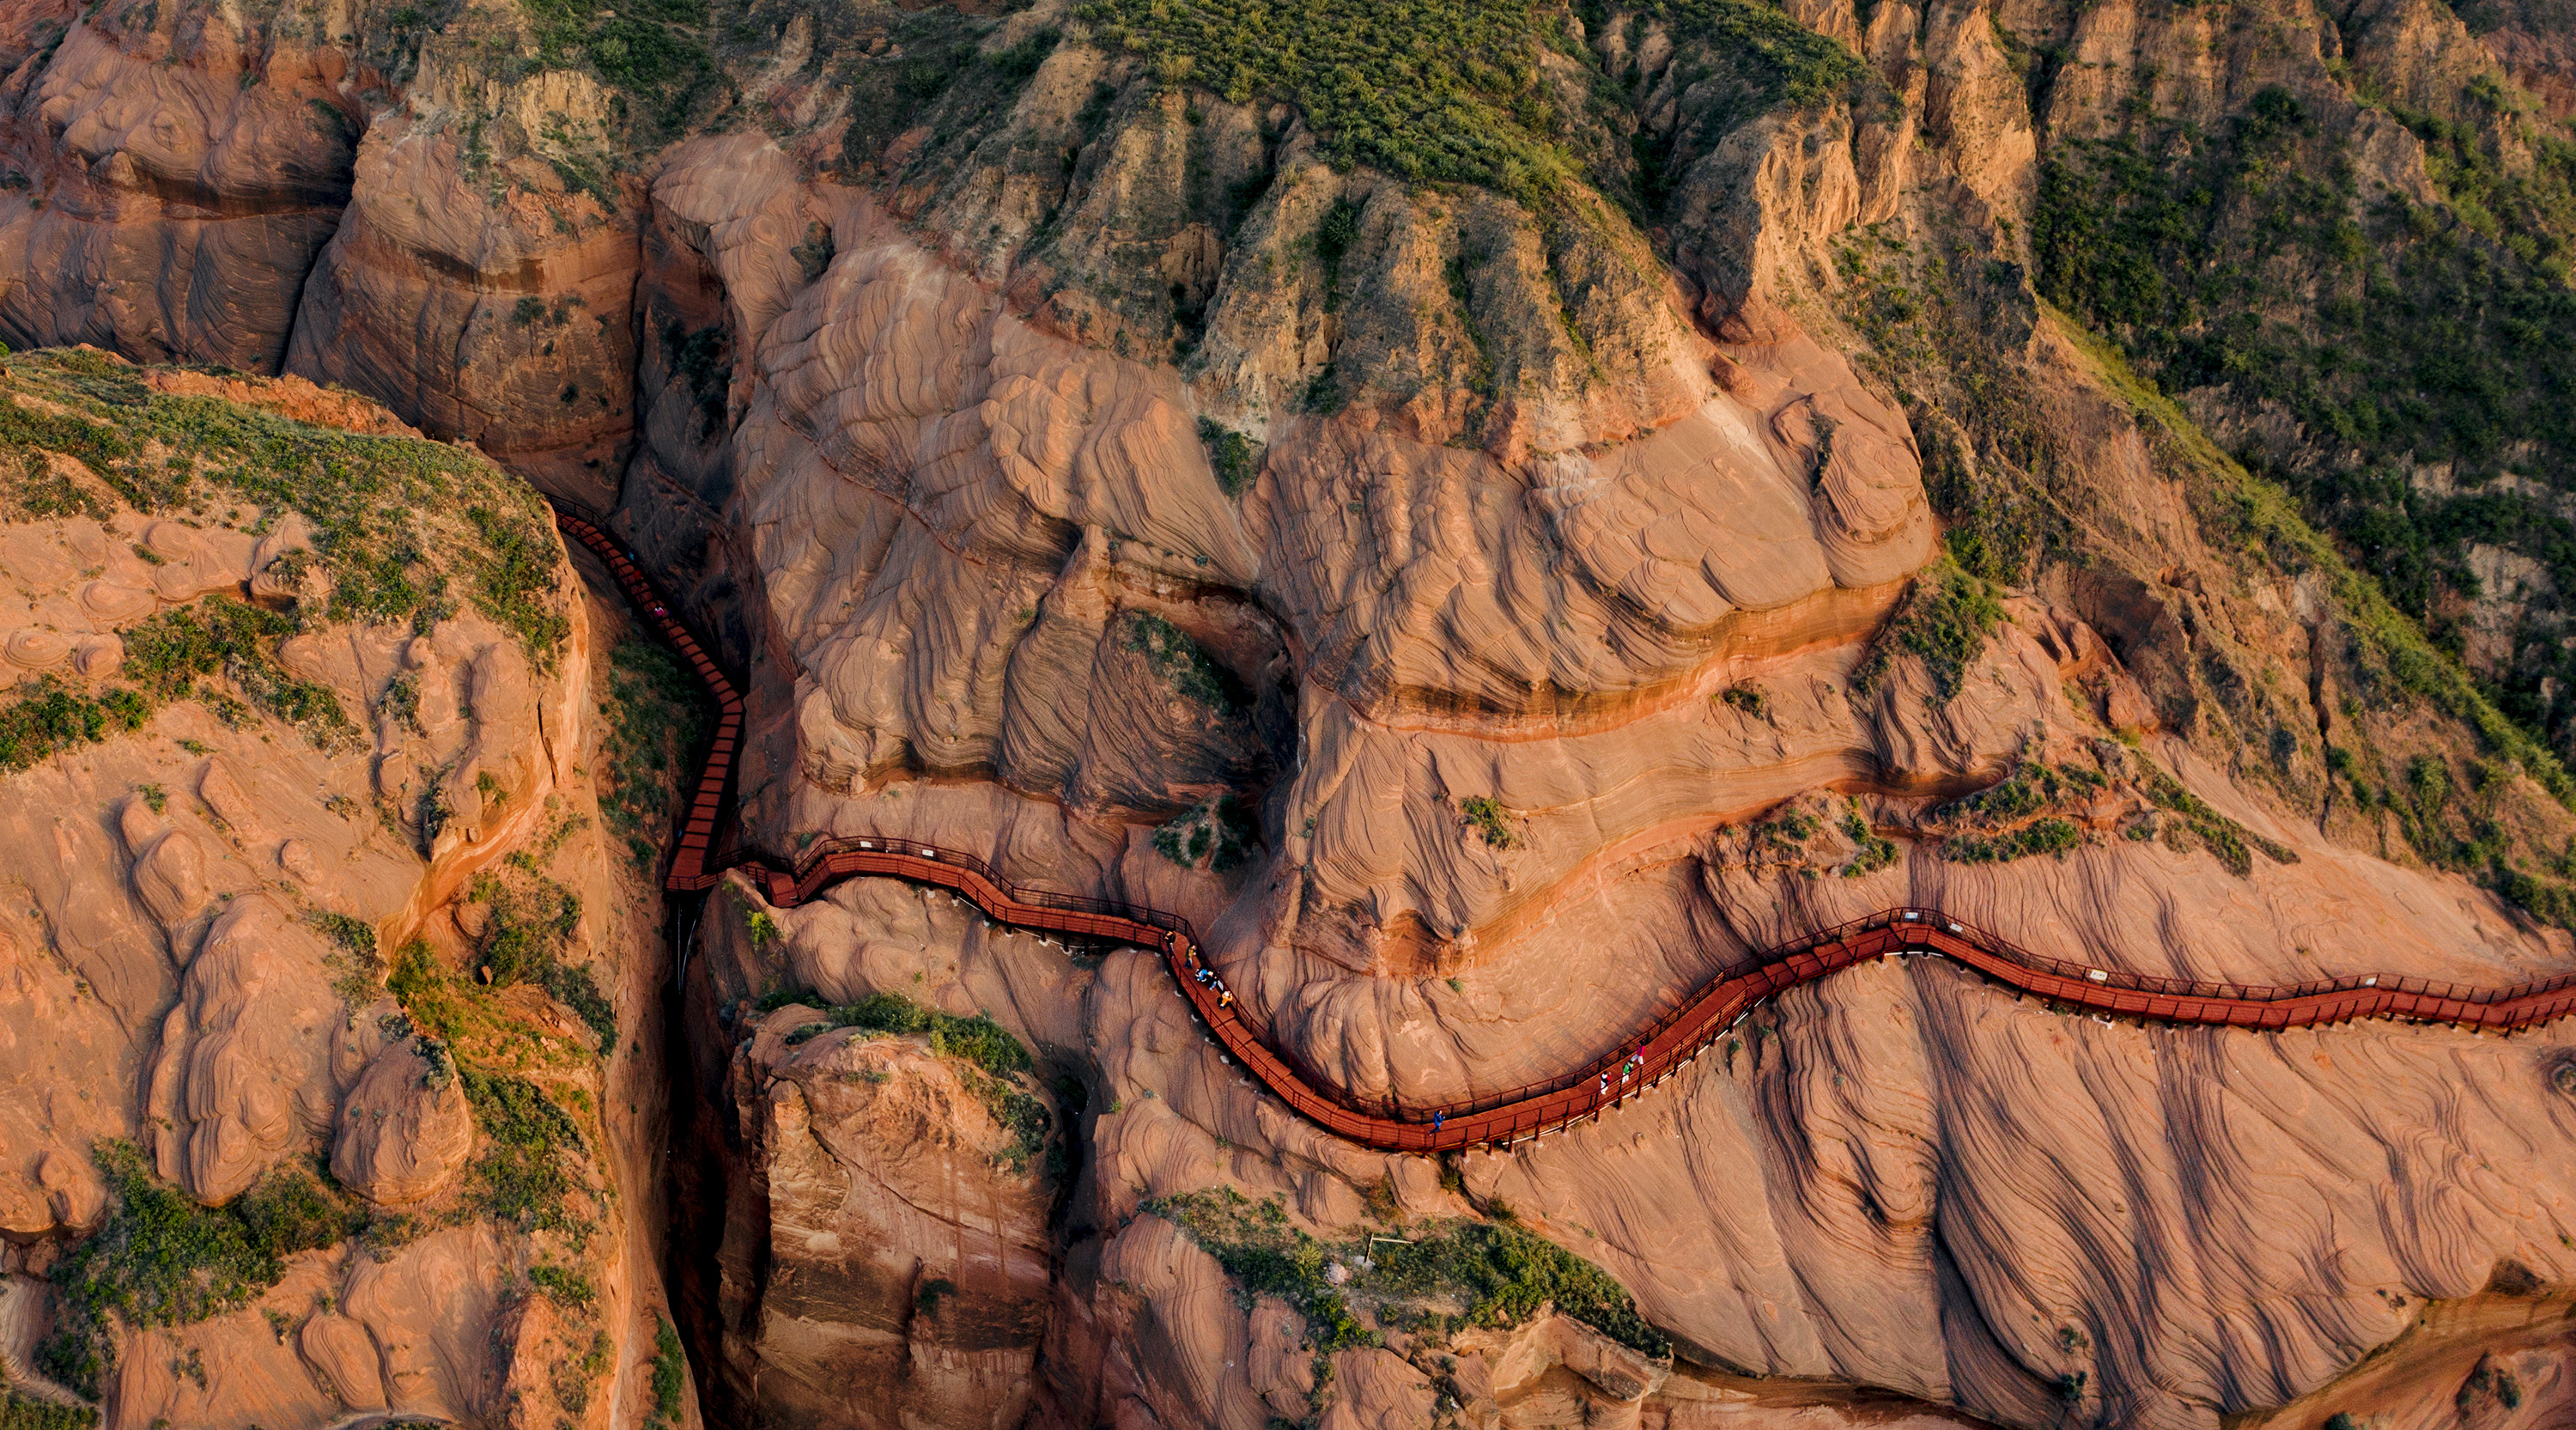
column 290, row 683
column 1492, row 565
column 902, row 1243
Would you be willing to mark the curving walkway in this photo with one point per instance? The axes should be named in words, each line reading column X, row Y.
column 1658, row 1051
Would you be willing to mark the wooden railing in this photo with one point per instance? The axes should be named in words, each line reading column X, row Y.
column 1671, row 1042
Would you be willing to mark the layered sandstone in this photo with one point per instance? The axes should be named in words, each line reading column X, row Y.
column 1486, row 620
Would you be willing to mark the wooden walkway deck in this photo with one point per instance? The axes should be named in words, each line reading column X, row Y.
column 1655, row 1053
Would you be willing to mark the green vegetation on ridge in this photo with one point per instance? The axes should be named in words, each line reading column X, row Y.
column 656, row 715
column 161, row 1259
column 165, row 656
column 1456, row 91
column 404, row 530
column 1943, row 621
column 991, row 1059
column 1448, row 1276
column 2401, row 336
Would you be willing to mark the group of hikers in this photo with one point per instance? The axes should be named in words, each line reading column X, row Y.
column 1207, row 978
column 1635, row 1065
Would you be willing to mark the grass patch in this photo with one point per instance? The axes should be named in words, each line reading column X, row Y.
column 1490, row 1274
column 167, row 654
column 22, row 1412
column 1456, row 92
column 564, row 1287
column 656, row 715
column 1943, row 621
column 529, row 918
column 1184, row 665
column 357, row 964
column 1264, row 1254
column 403, row 527
column 978, row 1040
column 670, row 1373
column 2041, row 836
column 528, row 1172
column 524, row 1175
column 1218, row 834
column 1491, row 821
column 2233, row 844
column 650, row 52
column 45, row 717
column 936, row 70
column 2258, row 515
column 2258, row 260
column 161, row 1259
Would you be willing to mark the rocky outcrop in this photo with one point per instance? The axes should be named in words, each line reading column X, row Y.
column 483, row 300
column 244, row 778
column 244, row 1070
column 405, row 1128
column 172, row 175
column 903, row 1240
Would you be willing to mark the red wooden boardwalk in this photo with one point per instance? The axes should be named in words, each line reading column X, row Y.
column 1656, row 1052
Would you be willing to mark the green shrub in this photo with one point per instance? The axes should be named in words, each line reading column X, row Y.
column 1873, row 852
column 166, row 655
column 978, row 1040
column 943, row 77
column 1486, row 815
column 521, row 563
column 1181, row 662
column 390, row 514
column 21, row 1412
column 1219, row 833
column 567, row 1287
column 670, row 1374
column 525, row 1175
column 1502, row 1275
column 45, row 717
column 656, row 715
column 1234, row 457
column 648, row 50
column 782, row 996
column 2251, row 260
column 528, row 919
column 1943, row 621
column 1257, row 1247
column 161, row 1259
column 2044, row 836
column 2231, row 842
column 1451, row 93
column 994, row 1059
column 355, row 960
column 1505, row 1276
